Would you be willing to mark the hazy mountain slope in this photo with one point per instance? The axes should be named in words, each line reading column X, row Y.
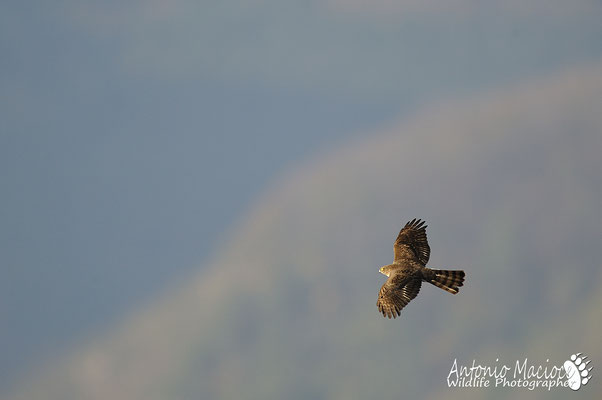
column 510, row 185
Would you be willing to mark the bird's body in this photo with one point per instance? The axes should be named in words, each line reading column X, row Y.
column 408, row 271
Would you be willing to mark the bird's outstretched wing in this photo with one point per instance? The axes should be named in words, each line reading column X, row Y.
column 395, row 295
column 411, row 243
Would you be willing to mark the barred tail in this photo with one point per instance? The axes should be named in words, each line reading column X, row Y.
column 447, row 280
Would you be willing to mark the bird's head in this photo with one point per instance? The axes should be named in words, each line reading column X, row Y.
column 385, row 270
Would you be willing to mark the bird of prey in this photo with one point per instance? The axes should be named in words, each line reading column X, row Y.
column 408, row 271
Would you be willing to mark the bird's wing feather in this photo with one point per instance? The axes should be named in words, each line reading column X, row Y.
column 396, row 293
column 411, row 243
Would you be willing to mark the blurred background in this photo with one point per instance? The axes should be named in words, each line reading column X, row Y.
column 196, row 196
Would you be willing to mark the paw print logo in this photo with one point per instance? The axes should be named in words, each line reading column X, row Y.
column 576, row 372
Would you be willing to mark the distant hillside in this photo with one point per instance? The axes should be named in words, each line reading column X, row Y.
column 510, row 185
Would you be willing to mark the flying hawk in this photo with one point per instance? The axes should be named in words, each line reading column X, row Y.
column 411, row 253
